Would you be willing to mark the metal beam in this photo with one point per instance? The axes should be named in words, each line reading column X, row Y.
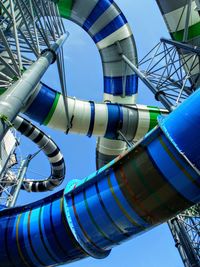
column 20, row 177
column 158, row 94
column 14, row 99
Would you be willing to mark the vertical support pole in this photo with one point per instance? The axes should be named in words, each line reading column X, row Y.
column 187, row 21
column 183, row 243
column 20, row 177
column 15, row 98
column 159, row 95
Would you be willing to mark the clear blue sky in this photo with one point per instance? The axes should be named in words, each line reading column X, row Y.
column 84, row 80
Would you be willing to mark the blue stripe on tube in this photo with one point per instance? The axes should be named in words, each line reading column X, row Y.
column 51, row 248
column 41, row 105
column 50, row 233
column 23, row 242
column 112, row 207
column 174, row 170
column 110, row 28
column 37, row 244
column 92, row 119
column 87, row 223
column 12, row 246
column 115, row 119
column 98, row 10
column 115, row 85
column 135, row 217
column 103, row 221
column 3, row 244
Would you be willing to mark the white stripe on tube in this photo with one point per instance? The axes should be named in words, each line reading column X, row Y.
column 81, row 10
column 121, row 34
column 111, row 147
column 128, row 100
column 101, row 119
column 143, row 121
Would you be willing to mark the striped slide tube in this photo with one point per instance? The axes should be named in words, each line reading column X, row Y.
column 50, row 149
column 90, row 118
column 109, row 29
column 137, row 122
column 175, row 14
column 107, row 26
column 147, row 185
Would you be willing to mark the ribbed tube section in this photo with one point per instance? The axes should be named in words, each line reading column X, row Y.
column 37, row 235
column 147, row 185
column 50, row 149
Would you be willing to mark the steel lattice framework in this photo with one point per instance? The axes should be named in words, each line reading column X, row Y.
column 28, row 29
column 172, row 70
column 185, row 229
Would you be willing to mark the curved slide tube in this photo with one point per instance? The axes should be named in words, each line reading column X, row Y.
column 51, row 150
column 90, row 118
column 101, row 119
column 142, row 188
column 146, row 186
column 109, row 29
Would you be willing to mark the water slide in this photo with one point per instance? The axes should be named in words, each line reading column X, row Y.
column 146, row 185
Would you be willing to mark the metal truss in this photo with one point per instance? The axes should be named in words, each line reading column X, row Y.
column 27, row 27
column 185, row 229
column 28, row 30
column 9, row 170
column 172, row 71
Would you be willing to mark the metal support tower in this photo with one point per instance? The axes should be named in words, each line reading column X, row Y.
column 31, row 38
column 171, row 70
column 185, row 229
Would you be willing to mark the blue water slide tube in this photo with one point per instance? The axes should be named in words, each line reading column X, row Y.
column 147, row 185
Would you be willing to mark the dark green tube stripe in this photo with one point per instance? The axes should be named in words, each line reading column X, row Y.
column 65, row 8
column 2, row 90
column 161, row 200
column 18, row 244
column 169, row 195
column 30, row 241
column 52, row 110
column 178, row 164
column 132, row 197
column 193, row 32
column 154, row 113
column 94, row 222
column 69, row 233
column 132, row 185
column 146, row 184
column 107, row 213
column 120, row 205
column 81, row 226
column 42, row 238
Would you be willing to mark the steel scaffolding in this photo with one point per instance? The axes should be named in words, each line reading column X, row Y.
column 31, row 38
